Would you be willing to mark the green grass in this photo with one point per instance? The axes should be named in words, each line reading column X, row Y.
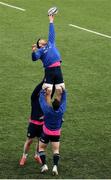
column 86, row 137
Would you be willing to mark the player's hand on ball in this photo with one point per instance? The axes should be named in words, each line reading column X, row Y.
column 51, row 18
column 51, row 12
column 34, row 47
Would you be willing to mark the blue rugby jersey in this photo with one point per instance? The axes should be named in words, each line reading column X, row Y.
column 52, row 118
column 48, row 54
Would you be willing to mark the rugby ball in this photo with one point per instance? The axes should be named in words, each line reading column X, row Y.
column 52, row 11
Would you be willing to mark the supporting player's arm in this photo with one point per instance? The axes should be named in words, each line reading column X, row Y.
column 42, row 100
column 62, row 107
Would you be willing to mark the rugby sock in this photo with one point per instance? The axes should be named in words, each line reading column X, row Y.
column 56, row 158
column 25, row 155
column 42, row 157
column 37, row 149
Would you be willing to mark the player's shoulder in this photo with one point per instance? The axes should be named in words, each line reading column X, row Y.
column 50, row 44
column 40, row 51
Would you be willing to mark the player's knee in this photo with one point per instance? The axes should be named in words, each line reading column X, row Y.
column 60, row 87
column 59, row 90
column 56, row 151
column 47, row 86
column 42, row 146
column 29, row 141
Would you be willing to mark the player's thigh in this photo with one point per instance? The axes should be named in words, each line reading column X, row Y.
column 39, row 130
column 42, row 146
column 55, row 142
column 44, row 138
column 49, row 76
column 59, row 82
column 31, row 131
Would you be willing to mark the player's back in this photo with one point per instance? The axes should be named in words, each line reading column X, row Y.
column 53, row 119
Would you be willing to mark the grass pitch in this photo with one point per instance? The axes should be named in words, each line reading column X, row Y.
column 86, row 137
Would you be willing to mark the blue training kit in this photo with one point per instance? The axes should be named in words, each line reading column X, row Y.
column 48, row 54
column 52, row 119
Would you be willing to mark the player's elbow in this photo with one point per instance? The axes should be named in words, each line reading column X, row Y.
column 34, row 57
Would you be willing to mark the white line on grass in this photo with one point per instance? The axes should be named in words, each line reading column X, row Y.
column 94, row 32
column 15, row 7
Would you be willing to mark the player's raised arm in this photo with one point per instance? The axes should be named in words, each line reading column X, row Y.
column 42, row 100
column 62, row 107
column 51, row 37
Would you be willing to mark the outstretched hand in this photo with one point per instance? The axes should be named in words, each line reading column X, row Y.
column 51, row 18
column 34, row 47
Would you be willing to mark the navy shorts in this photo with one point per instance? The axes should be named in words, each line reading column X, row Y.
column 48, row 138
column 34, row 130
column 53, row 75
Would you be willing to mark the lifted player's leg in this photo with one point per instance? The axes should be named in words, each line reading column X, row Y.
column 59, row 88
column 49, row 90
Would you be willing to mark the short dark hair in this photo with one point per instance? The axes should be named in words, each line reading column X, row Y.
column 38, row 43
column 55, row 104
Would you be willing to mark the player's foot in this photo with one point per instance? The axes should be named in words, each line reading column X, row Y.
column 23, row 160
column 37, row 158
column 54, row 170
column 44, row 168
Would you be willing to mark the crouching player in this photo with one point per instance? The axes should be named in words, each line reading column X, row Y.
column 35, row 125
column 51, row 59
column 51, row 129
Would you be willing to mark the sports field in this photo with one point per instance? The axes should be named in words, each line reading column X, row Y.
column 86, row 136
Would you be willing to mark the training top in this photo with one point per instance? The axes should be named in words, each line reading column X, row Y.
column 52, row 119
column 48, row 54
column 36, row 111
column 37, row 116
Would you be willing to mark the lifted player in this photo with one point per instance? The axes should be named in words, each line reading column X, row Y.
column 51, row 59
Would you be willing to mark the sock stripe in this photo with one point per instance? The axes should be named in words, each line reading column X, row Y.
column 41, row 153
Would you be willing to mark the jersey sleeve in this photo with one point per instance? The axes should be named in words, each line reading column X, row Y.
column 51, row 37
column 44, row 106
column 36, row 55
column 62, row 107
